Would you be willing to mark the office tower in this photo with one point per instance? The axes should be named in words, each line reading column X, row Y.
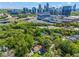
column 52, row 10
column 47, row 7
column 29, row 10
column 74, row 7
column 33, row 10
column 13, row 11
column 60, row 11
column 39, row 9
column 44, row 10
column 25, row 10
column 56, row 11
column 66, row 10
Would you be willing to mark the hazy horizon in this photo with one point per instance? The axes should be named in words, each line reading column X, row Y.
column 20, row 5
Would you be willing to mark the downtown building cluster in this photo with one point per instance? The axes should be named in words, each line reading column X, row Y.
column 46, row 9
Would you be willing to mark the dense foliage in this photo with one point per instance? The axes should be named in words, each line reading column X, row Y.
column 20, row 37
column 75, row 13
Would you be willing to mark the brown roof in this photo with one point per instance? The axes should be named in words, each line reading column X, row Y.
column 36, row 48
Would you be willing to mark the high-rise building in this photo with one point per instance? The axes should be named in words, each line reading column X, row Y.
column 44, row 10
column 66, row 10
column 47, row 7
column 25, row 10
column 39, row 9
column 13, row 11
column 74, row 7
column 29, row 10
column 33, row 10
column 56, row 11
column 60, row 11
column 52, row 10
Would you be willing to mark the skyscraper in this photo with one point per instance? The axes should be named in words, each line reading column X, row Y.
column 47, row 7
column 66, row 10
column 25, row 10
column 33, row 10
column 52, row 10
column 60, row 11
column 56, row 11
column 29, row 10
column 44, row 10
column 74, row 7
column 13, row 11
column 39, row 8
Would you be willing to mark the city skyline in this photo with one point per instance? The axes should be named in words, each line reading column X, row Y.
column 19, row 5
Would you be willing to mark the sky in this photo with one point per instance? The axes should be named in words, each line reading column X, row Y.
column 19, row 5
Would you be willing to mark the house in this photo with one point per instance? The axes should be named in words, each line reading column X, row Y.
column 38, row 48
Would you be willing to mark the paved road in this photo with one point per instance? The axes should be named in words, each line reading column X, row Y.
column 54, row 27
column 34, row 19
